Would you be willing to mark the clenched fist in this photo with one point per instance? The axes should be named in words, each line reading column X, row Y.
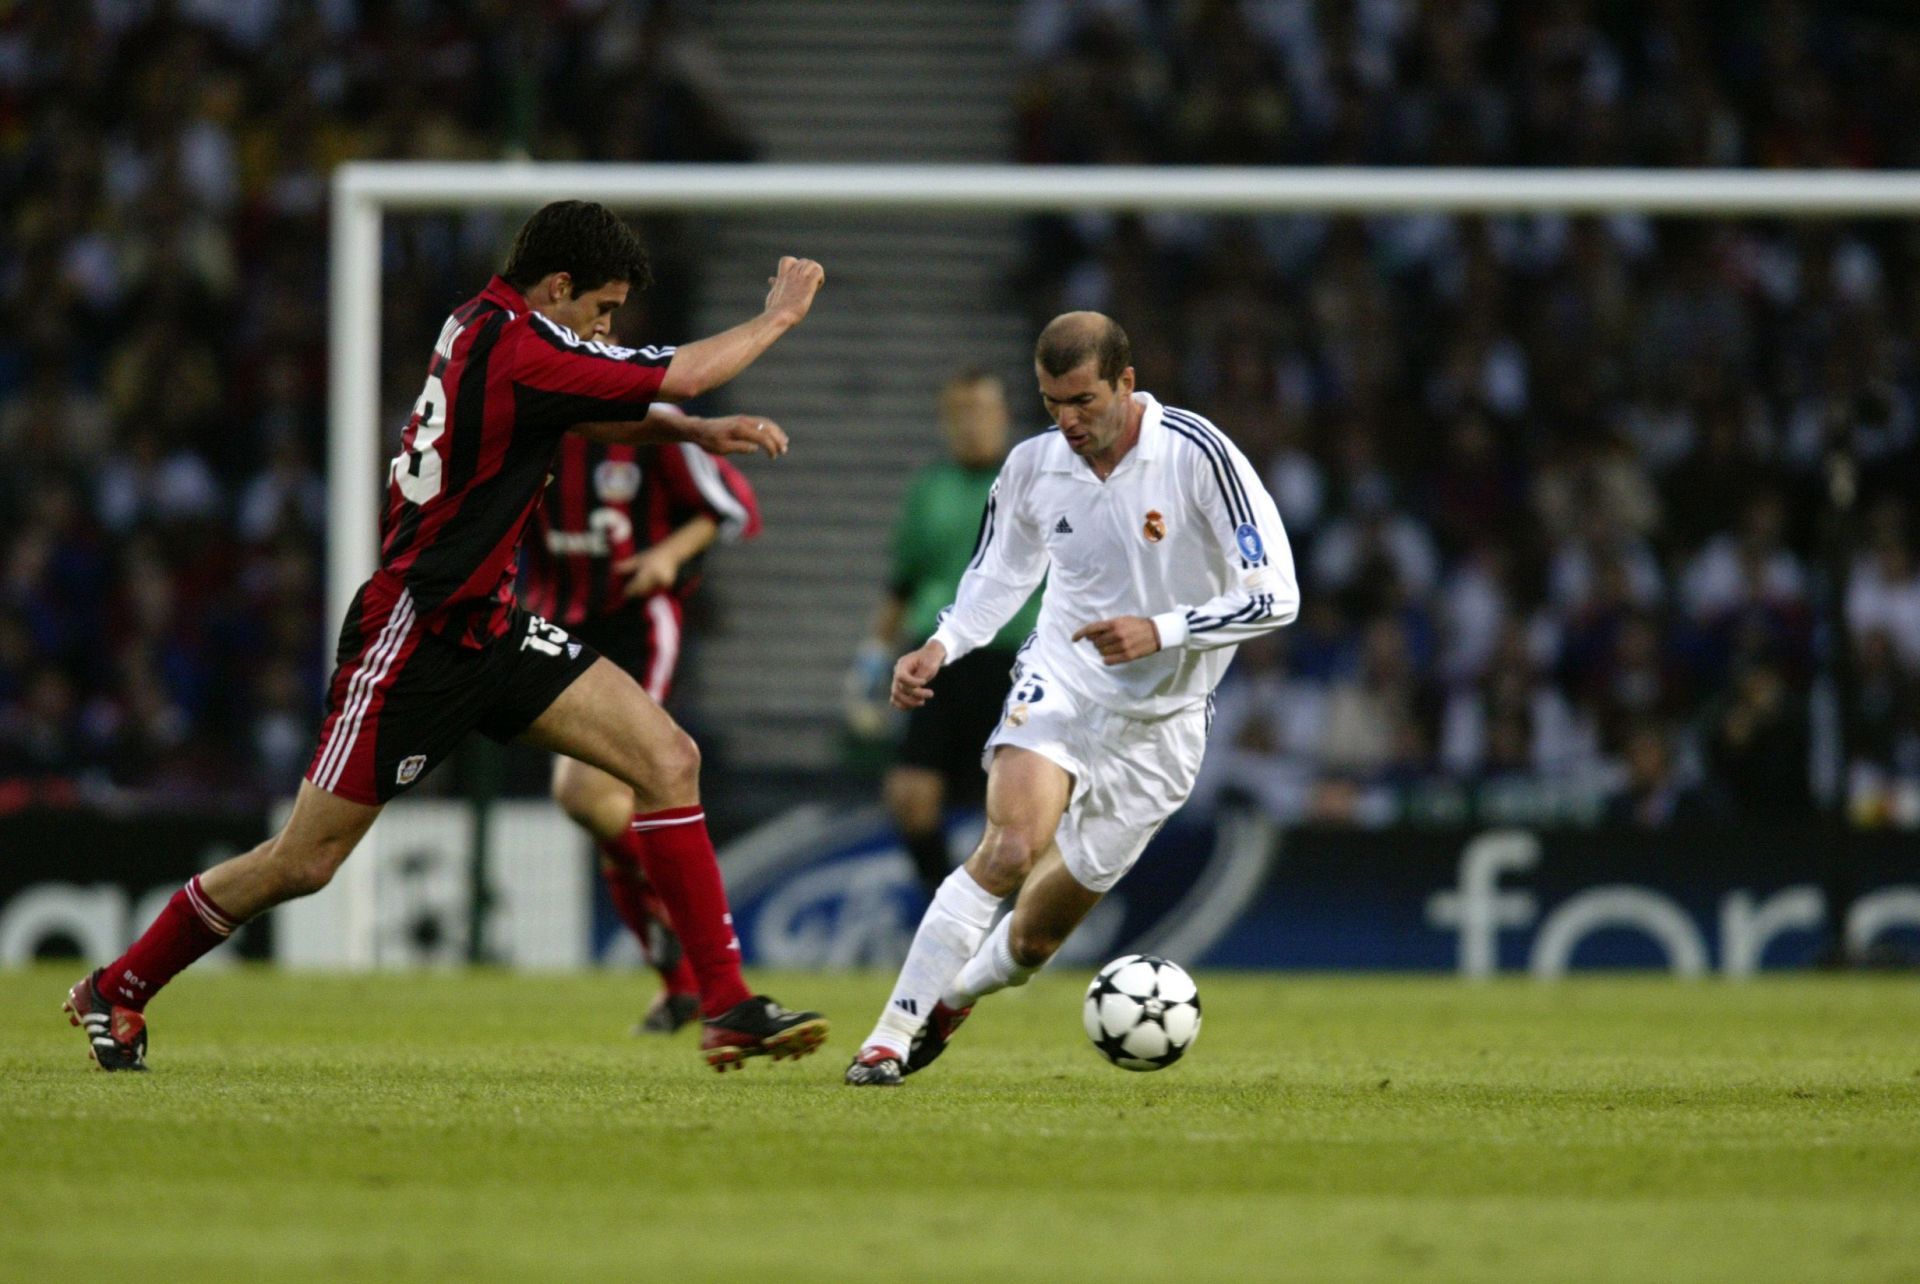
column 791, row 289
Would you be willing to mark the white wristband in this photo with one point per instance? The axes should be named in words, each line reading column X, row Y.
column 948, row 642
column 1172, row 628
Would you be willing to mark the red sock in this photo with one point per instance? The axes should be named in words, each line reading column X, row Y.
column 677, row 855
column 188, row 927
column 638, row 905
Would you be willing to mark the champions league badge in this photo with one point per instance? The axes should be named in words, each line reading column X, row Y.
column 1248, row 538
column 616, row 480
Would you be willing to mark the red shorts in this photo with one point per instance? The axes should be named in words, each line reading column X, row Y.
column 642, row 637
column 402, row 697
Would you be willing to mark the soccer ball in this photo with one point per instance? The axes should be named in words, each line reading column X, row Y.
column 1142, row 1012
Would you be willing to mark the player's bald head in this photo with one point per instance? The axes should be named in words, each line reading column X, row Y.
column 1074, row 338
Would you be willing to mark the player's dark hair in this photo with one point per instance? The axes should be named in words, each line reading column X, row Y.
column 1070, row 341
column 584, row 239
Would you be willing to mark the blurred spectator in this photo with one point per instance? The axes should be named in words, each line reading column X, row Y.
column 1885, row 595
column 1375, row 721
column 1514, row 721
column 1266, row 732
column 39, row 732
column 1757, row 746
column 1652, row 794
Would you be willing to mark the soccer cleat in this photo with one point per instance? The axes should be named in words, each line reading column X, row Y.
column 759, row 1027
column 668, row 1013
column 116, row 1036
column 933, row 1036
column 876, row 1068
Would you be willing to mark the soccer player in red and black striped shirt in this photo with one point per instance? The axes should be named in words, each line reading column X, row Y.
column 612, row 560
column 435, row 644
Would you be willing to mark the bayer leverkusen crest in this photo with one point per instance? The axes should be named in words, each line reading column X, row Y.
column 616, row 481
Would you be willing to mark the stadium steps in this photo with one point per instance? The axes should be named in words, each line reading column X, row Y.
column 909, row 299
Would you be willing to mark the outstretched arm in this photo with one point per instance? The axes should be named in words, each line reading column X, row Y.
column 728, row 435
column 1009, row 561
column 706, row 364
column 578, row 383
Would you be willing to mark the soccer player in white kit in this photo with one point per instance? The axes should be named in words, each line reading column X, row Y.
column 1162, row 551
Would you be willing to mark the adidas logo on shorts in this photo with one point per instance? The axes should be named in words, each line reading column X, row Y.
column 1063, row 527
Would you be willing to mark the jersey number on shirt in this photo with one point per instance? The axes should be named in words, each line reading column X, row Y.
column 416, row 469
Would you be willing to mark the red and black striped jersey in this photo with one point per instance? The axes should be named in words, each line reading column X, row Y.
column 609, row 502
column 504, row 385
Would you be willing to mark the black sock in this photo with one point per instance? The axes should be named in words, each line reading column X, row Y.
column 930, row 859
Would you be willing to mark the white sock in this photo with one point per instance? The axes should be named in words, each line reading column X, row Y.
column 991, row 968
column 960, row 915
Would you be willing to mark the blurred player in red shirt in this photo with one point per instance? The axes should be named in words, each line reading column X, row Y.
column 613, row 559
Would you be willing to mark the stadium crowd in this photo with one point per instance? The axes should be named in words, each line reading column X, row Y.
column 1556, row 486
column 162, row 350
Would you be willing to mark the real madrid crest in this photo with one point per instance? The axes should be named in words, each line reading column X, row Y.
column 616, row 480
column 1155, row 527
column 1017, row 716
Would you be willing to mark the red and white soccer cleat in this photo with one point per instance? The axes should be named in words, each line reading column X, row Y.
column 116, row 1036
column 875, row 1068
column 933, row 1036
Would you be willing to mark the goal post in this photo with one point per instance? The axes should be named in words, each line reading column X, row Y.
column 364, row 191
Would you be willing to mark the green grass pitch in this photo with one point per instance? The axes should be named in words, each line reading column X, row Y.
column 478, row 1126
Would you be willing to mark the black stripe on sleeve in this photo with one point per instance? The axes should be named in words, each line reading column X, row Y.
column 1233, row 512
column 1220, row 454
column 1216, row 444
column 985, row 538
column 1207, row 623
column 1259, row 608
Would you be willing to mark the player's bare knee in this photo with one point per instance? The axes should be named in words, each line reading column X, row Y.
column 1005, row 857
column 669, row 774
column 311, row 867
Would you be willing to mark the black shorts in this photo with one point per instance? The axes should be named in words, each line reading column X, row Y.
column 402, row 698
column 948, row 732
column 642, row 637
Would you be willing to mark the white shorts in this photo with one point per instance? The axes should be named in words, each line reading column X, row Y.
column 1129, row 774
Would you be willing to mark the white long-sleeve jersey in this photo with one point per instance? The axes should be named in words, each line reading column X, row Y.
column 1182, row 532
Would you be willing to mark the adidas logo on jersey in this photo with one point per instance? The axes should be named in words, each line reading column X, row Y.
column 1063, row 527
